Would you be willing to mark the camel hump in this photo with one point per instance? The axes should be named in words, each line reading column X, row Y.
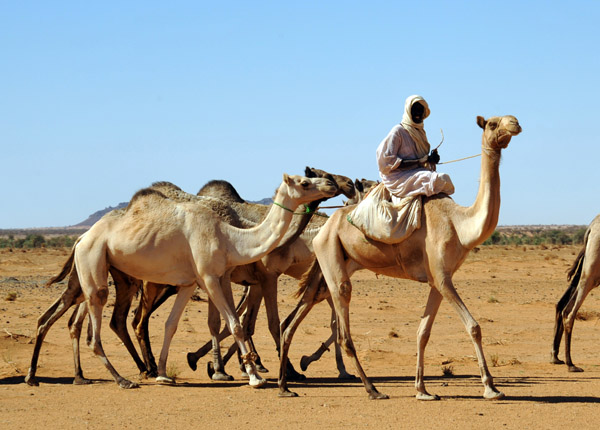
column 165, row 185
column 222, row 190
column 145, row 192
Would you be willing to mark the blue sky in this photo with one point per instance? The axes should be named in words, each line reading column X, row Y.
column 99, row 100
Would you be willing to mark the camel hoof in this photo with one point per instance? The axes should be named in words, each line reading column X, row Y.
column 165, row 380
column 217, row 375
column 493, row 395
column 80, row 380
column 31, row 381
column 573, row 368
column 427, row 397
column 257, row 382
column 304, row 362
column 192, row 362
column 556, row 360
column 127, row 384
column 286, row 393
column 292, row 375
column 261, row 368
column 376, row 395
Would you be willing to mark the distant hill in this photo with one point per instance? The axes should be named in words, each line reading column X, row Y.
column 93, row 218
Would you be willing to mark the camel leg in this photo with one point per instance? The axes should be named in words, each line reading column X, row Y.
column 269, row 292
column 183, row 296
column 193, row 357
column 126, row 288
column 72, row 295
column 433, row 304
column 75, row 326
column 584, row 287
column 306, row 360
column 448, row 291
column 220, row 294
column 153, row 296
column 311, row 296
column 93, row 276
column 216, row 367
column 558, row 323
column 340, row 288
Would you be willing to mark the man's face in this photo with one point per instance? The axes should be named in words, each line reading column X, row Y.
column 417, row 110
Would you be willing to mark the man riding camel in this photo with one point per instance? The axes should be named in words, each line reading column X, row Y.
column 405, row 165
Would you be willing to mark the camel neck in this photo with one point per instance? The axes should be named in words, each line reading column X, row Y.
column 481, row 218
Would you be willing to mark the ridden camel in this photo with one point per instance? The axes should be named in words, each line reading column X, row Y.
column 431, row 254
column 584, row 276
column 186, row 245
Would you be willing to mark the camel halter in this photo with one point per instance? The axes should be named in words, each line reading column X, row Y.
column 306, row 209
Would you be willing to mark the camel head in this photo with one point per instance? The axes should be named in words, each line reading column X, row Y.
column 344, row 183
column 305, row 190
column 498, row 130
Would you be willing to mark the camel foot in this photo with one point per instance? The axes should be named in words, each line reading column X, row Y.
column 346, row 375
column 493, row 394
column 165, row 380
column 376, row 395
column 286, row 393
column 427, row 397
column 556, row 360
column 127, row 384
column 257, row 382
column 30, row 380
column 152, row 373
column 573, row 368
column 80, row 380
column 261, row 368
column 192, row 362
column 304, row 362
column 217, row 375
column 292, row 375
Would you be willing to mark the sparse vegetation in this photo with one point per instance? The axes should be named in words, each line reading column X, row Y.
column 11, row 296
column 495, row 360
column 492, row 299
column 537, row 236
column 448, row 370
column 172, row 371
column 37, row 241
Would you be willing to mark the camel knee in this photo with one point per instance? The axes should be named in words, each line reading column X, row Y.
column 475, row 332
column 238, row 331
column 346, row 290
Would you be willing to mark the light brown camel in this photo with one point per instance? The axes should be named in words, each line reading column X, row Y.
column 431, row 254
column 185, row 245
column 584, row 276
column 292, row 257
column 126, row 286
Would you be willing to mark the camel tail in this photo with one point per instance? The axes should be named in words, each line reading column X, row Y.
column 67, row 267
column 575, row 271
column 308, row 278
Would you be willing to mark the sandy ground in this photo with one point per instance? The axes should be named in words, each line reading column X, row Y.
column 510, row 291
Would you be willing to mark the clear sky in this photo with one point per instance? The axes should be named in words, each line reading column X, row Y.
column 98, row 100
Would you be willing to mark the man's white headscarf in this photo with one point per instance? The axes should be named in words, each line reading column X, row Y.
column 416, row 131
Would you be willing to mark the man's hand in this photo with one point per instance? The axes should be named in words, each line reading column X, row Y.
column 434, row 157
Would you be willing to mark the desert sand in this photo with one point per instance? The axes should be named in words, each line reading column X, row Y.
column 511, row 291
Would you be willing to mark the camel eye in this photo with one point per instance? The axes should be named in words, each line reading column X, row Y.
column 304, row 184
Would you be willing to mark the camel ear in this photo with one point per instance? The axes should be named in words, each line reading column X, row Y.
column 286, row 178
column 309, row 172
column 358, row 185
column 481, row 121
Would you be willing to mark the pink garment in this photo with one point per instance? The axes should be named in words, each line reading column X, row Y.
column 398, row 145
